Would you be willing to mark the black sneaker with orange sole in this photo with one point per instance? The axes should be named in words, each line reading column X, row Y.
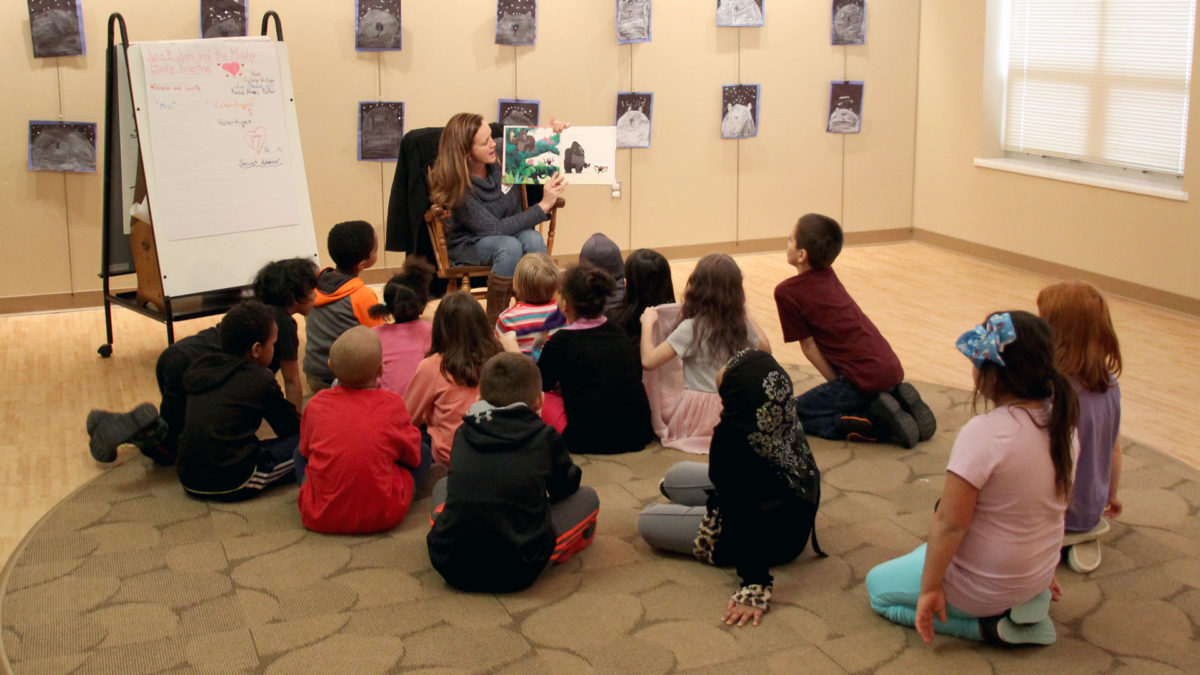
column 859, row 429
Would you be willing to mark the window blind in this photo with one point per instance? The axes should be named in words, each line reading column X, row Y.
column 1103, row 81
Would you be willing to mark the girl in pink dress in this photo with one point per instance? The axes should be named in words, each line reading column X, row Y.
column 713, row 326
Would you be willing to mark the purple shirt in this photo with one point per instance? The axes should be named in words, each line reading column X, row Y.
column 1099, row 424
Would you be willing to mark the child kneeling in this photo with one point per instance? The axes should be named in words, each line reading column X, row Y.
column 987, row 571
column 512, row 502
column 360, row 457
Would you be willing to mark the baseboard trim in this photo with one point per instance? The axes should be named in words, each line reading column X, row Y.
column 54, row 302
column 690, row 251
column 1118, row 287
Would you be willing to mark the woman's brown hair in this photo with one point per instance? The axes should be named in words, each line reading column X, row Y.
column 1085, row 343
column 464, row 338
column 449, row 177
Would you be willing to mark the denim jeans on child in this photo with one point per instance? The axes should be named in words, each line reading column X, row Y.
column 821, row 408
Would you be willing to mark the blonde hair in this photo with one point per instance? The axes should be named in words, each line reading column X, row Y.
column 450, row 176
column 536, row 279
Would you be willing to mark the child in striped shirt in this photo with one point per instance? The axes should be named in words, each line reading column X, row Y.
column 535, row 284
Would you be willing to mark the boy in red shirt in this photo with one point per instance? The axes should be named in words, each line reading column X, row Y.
column 864, row 397
column 360, row 457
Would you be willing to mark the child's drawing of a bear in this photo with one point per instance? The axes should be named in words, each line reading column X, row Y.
column 378, row 29
column 516, row 29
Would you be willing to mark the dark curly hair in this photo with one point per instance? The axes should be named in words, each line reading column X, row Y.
column 586, row 289
column 285, row 282
column 350, row 243
column 244, row 324
column 406, row 294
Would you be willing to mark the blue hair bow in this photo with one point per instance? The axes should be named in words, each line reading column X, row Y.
column 986, row 342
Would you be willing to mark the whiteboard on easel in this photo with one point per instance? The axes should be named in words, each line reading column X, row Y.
column 216, row 122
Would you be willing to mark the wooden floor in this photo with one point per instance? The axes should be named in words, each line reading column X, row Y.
column 921, row 298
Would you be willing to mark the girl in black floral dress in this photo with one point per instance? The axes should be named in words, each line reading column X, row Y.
column 752, row 506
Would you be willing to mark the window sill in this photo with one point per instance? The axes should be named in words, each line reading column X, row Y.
column 1081, row 177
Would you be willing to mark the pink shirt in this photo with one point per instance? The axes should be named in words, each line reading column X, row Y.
column 404, row 345
column 438, row 404
column 1011, row 549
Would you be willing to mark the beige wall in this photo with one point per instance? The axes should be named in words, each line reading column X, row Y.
column 692, row 187
column 1134, row 238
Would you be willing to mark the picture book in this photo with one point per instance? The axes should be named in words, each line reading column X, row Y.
column 584, row 155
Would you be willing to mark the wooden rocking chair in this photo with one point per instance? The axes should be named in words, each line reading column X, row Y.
column 435, row 220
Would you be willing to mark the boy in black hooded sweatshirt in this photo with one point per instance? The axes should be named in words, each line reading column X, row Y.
column 511, row 503
column 229, row 394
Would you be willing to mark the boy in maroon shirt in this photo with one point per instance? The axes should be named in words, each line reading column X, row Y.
column 864, row 397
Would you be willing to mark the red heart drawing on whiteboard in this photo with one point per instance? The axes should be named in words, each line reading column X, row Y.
column 231, row 68
column 256, row 137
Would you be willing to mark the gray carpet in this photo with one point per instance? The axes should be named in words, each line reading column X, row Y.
column 128, row 575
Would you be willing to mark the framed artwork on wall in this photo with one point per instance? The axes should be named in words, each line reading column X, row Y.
column 739, row 110
column 62, row 146
column 380, row 128
column 57, row 28
column 377, row 25
column 634, row 112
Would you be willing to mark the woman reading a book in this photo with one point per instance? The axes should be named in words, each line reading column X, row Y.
column 487, row 225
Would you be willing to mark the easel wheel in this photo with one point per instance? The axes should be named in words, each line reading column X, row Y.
column 104, row 351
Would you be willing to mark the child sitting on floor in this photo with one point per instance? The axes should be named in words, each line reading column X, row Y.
column 357, row 478
column 446, row 381
column 602, row 252
column 512, row 502
column 229, row 394
column 864, row 397
column 987, row 571
column 753, row 505
column 714, row 326
column 343, row 300
column 286, row 287
column 647, row 284
column 1087, row 352
column 535, row 283
column 406, row 340
column 598, row 370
